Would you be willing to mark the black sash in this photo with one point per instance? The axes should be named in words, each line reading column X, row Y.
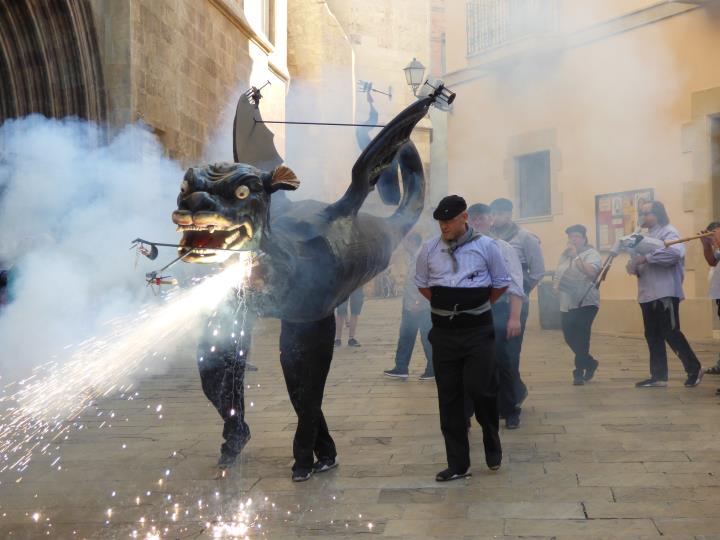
column 459, row 299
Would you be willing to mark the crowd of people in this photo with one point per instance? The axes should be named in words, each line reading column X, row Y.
column 467, row 295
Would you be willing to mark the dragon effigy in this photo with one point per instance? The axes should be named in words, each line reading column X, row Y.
column 312, row 256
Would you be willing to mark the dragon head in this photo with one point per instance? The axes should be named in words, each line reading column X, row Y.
column 226, row 206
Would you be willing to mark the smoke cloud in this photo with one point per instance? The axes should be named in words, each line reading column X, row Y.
column 72, row 200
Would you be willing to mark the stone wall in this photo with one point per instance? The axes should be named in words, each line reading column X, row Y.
column 180, row 65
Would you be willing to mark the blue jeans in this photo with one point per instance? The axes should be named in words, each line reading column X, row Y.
column 413, row 322
column 520, row 388
column 507, row 353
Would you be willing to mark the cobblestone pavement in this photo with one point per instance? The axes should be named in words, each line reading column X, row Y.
column 601, row 461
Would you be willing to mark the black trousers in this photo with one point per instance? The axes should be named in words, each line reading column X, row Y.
column 306, row 350
column 464, row 362
column 507, row 352
column 577, row 327
column 663, row 325
column 221, row 357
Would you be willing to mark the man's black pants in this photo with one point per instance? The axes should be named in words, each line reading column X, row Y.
column 306, row 350
column 662, row 323
column 464, row 362
column 221, row 357
column 577, row 327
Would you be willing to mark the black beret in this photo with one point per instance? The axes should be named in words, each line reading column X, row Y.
column 578, row 229
column 502, row 205
column 449, row 207
column 479, row 209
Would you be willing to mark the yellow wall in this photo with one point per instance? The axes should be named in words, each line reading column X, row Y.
column 385, row 35
column 578, row 14
column 617, row 113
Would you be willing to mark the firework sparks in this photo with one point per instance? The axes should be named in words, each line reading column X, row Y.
column 39, row 410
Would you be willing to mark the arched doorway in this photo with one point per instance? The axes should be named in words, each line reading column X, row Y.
column 49, row 60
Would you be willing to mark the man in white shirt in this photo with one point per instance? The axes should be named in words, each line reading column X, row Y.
column 506, row 319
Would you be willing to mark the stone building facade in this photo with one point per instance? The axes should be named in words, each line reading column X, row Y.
column 561, row 103
column 180, row 65
column 334, row 47
column 385, row 36
column 177, row 65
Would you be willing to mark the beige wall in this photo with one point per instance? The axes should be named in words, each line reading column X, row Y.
column 579, row 14
column 179, row 64
column 333, row 45
column 385, row 36
column 320, row 61
column 623, row 111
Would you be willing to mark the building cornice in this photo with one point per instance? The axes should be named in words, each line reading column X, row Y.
column 484, row 63
column 235, row 15
column 629, row 21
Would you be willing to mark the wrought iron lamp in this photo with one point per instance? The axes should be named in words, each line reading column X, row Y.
column 414, row 73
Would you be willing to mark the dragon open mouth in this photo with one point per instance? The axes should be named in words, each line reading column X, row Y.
column 206, row 233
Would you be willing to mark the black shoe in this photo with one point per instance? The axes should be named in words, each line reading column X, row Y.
column 590, row 372
column 578, row 380
column 447, row 475
column 338, row 343
column 352, row 342
column 694, row 379
column 427, row 377
column 227, row 460
column 651, row 383
column 493, row 460
column 395, row 373
column 301, row 475
column 324, row 464
column 513, row 420
column 715, row 370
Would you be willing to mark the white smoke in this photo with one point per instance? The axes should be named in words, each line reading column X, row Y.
column 71, row 203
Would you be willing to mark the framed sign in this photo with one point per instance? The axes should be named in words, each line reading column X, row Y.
column 616, row 214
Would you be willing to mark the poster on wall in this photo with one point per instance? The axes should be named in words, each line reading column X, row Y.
column 616, row 214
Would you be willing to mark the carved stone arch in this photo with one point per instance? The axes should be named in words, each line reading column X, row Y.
column 49, row 60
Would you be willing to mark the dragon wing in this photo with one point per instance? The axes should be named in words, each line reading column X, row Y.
column 378, row 156
column 253, row 141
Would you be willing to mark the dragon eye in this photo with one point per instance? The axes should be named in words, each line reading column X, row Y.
column 242, row 192
column 184, row 187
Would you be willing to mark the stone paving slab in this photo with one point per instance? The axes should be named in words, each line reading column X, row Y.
column 603, row 461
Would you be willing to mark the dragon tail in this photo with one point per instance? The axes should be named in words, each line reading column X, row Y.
column 413, row 189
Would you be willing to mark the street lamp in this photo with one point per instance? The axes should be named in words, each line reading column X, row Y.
column 414, row 73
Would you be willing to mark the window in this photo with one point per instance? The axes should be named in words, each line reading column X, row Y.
column 493, row 23
column 533, row 184
column 259, row 14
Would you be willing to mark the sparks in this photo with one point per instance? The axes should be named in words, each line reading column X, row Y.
column 43, row 408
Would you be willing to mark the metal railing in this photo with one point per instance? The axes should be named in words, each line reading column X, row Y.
column 492, row 23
